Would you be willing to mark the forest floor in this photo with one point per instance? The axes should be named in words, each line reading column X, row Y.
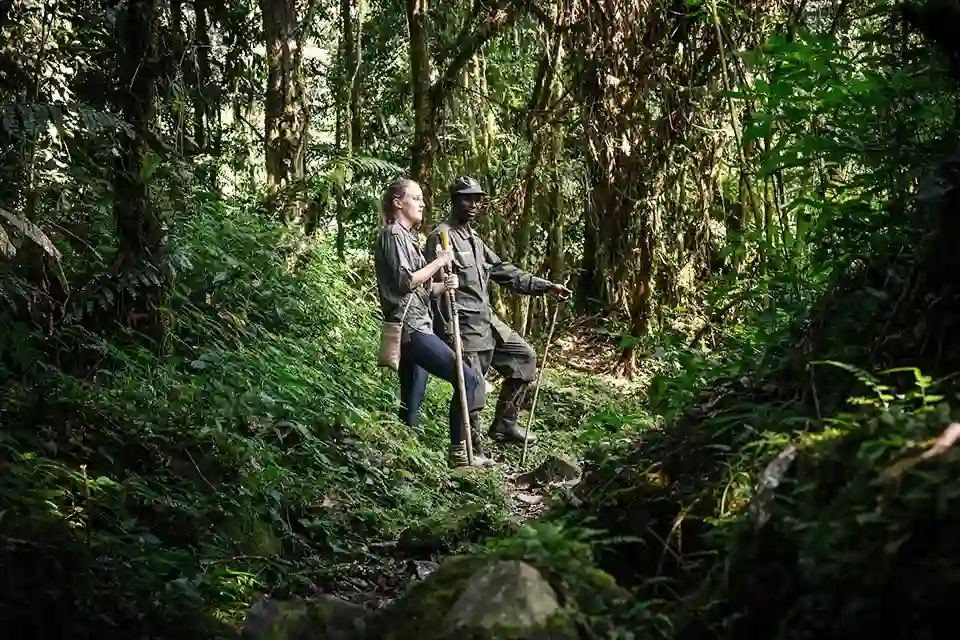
column 579, row 363
column 258, row 454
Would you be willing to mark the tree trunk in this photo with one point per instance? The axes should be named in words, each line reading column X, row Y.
column 524, row 227
column 344, row 129
column 283, row 117
column 341, row 202
column 356, row 53
column 348, row 107
column 588, row 286
column 425, row 140
column 201, row 51
column 640, row 302
column 555, row 249
column 140, row 229
column 179, row 46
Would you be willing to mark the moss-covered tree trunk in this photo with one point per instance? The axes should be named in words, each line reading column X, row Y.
column 348, row 108
column 139, row 223
column 284, row 110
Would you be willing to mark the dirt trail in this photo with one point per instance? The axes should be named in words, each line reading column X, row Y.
column 385, row 570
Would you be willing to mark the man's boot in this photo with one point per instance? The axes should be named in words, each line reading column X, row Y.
column 508, row 410
column 476, row 440
column 458, row 457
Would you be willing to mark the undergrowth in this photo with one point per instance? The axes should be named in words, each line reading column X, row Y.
column 153, row 494
column 747, row 512
column 160, row 493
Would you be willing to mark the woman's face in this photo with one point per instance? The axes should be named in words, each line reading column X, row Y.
column 410, row 206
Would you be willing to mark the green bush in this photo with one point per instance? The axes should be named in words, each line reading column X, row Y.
column 260, row 452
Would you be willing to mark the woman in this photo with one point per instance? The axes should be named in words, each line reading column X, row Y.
column 405, row 282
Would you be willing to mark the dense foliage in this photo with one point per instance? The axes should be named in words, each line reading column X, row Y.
column 755, row 203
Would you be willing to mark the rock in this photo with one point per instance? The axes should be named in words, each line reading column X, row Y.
column 507, row 594
column 326, row 617
column 420, row 569
column 476, row 597
column 528, row 498
column 553, row 469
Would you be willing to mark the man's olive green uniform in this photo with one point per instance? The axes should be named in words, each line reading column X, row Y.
column 486, row 340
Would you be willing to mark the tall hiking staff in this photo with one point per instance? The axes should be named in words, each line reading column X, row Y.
column 458, row 350
column 536, row 389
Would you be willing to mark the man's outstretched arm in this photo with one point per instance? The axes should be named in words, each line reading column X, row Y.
column 516, row 279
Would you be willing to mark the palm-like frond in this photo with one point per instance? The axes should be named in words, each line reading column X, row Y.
column 339, row 167
column 29, row 119
column 28, row 229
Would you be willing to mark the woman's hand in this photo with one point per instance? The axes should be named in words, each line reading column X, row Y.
column 451, row 282
column 444, row 256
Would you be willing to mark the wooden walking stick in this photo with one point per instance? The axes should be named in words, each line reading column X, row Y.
column 458, row 350
column 536, row 391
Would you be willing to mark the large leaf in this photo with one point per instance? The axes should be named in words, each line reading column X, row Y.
column 30, row 119
column 32, row 231
column 7, row 250
column 339, row 167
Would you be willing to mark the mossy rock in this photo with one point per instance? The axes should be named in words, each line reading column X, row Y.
column 477, row 598
column 488, row 597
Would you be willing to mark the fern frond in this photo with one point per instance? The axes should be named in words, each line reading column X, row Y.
column 363, row 165
column 377, row 166
column 7, row 250
column 29, row 119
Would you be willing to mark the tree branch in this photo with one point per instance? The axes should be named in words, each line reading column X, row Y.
column 556, row 23
column 501, row 15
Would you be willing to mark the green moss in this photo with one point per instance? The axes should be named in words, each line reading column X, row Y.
column 421, row 612
column 422, row 608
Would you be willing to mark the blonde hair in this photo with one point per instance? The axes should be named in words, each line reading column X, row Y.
column 395, row 191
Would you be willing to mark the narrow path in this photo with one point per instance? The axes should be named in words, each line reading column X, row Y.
column 385, row 570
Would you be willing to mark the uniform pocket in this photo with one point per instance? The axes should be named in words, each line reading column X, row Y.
column 464, row 259
column 465, row 268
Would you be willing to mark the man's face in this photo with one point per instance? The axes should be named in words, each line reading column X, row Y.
column 466, row 207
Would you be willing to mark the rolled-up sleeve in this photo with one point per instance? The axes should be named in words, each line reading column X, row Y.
column 512, row 277
column 396, row 261
column 430, row 254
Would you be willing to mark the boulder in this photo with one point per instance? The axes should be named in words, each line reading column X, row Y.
column 552, row 470
column 477, row 598
column 504, row 595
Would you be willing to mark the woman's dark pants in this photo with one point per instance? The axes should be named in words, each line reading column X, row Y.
column 425, row 354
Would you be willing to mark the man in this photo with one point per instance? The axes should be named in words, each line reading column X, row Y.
column 486, row 340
